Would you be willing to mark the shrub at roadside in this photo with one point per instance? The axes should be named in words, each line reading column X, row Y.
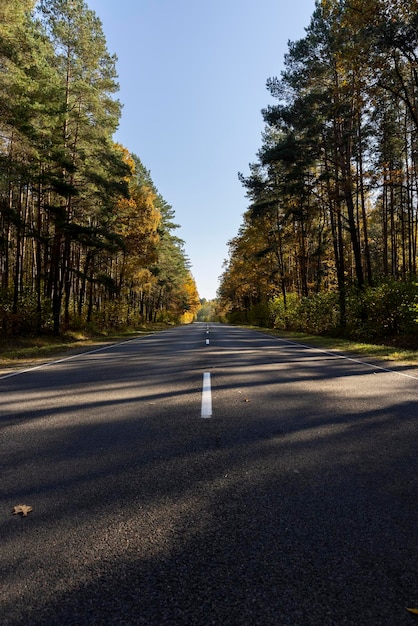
column 387, row 310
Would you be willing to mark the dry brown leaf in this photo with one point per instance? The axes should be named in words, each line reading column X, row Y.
column 22, row 508
column 413, row 611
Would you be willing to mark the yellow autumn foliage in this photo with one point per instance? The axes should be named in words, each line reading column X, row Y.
column 138, row 220
column 192, row 300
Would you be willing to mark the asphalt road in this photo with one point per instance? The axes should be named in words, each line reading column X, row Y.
column 295, row 503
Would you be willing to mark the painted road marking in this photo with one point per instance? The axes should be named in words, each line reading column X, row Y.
column 206, row 397
column 344, row 357
column 67, row 358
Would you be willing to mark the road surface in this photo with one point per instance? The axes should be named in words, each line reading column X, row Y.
column 209, row 475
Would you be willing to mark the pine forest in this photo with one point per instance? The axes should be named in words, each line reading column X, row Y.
column 85, row 237
column 328, row 243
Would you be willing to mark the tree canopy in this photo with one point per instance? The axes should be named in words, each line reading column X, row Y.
column 85, row 237
column 332, row 222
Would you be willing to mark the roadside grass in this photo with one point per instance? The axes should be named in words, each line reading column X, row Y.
column 378, row 351
column 16, row 351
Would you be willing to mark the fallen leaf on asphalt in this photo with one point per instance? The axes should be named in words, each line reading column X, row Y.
column 22, row 508
column 413, row 611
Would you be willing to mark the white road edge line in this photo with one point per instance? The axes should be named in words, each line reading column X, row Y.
column 348, row 358
column 67, row 358
column 206, row 397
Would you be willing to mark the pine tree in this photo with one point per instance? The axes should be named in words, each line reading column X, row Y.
column 89, row 115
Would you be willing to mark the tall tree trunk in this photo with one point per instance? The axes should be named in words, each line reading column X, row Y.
column 363, row 202
column 344, row 151
column 334, row 206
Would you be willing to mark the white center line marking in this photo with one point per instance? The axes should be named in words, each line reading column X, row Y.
column 206, row 397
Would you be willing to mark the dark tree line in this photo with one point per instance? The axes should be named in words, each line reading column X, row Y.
column 333, row 195
column 85, row 238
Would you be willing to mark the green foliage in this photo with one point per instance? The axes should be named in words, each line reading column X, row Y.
column 85, row 238
column 208, row 311
column 329, row 237
column 28, row 315
column 285, row 311
column 386, row 310
column 383, row 311
column 316, row 314
column 319, row 313
column 260, row 314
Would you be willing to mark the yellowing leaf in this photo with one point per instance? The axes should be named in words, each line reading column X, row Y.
column 22, row 508
column 413, row 611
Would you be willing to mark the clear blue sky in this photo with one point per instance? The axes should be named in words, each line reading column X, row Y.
column 192, row 77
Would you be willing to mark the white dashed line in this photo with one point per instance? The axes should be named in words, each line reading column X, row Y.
column 206, row 397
